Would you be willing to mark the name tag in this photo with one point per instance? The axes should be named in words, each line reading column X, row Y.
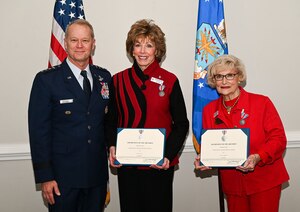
column 158, row 81
column 66, row 101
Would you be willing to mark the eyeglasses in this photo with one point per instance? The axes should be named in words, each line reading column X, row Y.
column 219, row 77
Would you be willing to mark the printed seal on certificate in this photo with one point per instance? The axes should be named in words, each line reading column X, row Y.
column 224, row 147
column 140, row 146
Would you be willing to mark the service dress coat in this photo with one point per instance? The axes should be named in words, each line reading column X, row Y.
column 66, row 131
column 267, row 138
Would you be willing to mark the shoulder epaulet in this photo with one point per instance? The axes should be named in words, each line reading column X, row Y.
column 50, row 69
column 100, row 68
column 96, row 66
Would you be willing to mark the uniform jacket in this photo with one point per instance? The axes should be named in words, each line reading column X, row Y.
column 137, row 103
column 267, row 138
column 66, row 131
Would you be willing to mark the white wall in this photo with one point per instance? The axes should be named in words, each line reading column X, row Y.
column 262, row 33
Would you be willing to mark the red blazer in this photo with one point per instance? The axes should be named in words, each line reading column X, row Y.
column 267, row 138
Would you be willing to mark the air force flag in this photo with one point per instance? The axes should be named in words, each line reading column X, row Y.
column 210, row 43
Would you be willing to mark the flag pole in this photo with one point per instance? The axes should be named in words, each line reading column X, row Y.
column 221, row 194
column 210, row 43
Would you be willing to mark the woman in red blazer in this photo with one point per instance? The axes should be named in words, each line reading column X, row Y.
column 256, row 185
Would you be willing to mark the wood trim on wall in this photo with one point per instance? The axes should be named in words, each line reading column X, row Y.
column 11, row 152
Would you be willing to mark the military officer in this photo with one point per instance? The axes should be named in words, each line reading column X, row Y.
column 66, row 127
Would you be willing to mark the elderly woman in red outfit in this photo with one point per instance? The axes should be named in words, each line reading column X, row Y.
column 147, row 96
column 256, row 185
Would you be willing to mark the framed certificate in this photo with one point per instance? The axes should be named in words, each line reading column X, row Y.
column 140, row 146
column 224, row 147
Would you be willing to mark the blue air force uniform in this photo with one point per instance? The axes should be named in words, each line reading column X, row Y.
column 66, row 130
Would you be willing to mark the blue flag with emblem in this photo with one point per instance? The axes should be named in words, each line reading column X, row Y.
column 210, row 43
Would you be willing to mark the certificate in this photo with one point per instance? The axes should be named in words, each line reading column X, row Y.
column 140, row 146
column 224, row 147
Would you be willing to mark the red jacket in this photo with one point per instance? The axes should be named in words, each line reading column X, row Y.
column 137, row 102
column 267, row 138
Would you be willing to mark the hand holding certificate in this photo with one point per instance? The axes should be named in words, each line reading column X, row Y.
column 140, row 146
column 224, row 147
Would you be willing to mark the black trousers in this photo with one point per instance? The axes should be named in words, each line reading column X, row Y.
column 145, row 190
column 80, row 200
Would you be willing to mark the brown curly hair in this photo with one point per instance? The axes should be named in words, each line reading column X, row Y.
column 146, row 28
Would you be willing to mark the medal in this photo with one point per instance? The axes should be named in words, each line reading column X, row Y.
column 104, row 90
column 243, row 117
column 161, row 88
column 161, row 93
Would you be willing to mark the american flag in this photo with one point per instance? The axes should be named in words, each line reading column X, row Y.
column 65, row 11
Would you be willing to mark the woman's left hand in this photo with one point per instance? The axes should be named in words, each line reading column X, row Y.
column 164, row 166
column 250, row 163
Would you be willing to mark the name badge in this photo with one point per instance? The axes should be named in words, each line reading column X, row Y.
column 158, row 81
column 66, row 101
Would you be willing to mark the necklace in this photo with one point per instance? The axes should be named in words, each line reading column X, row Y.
column 228, row 108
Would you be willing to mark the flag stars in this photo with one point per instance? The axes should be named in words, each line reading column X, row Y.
column 61, row 12
column 72, row 15
column 62, row 2
column 81, row 16
column 72, row 4
column 81, row 7
column 201, row 85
